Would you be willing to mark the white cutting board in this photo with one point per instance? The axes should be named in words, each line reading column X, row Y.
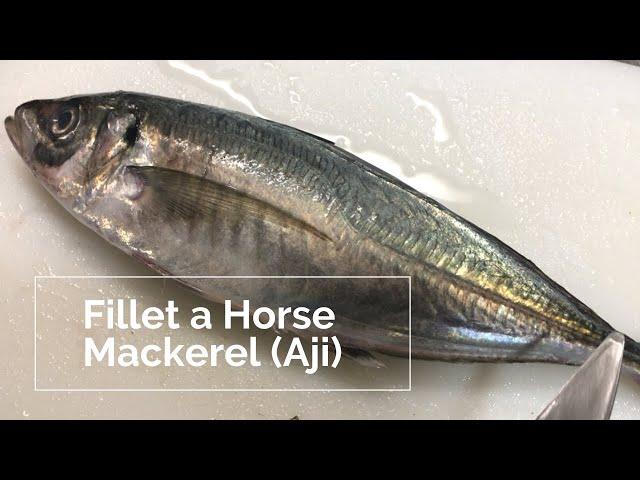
column 545, row 155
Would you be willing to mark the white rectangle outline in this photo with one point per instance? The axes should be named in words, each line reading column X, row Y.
column 35, row 339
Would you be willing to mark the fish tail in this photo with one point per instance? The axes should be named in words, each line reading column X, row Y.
column 631, row 358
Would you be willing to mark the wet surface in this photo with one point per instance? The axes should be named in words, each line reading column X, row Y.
column 542, row 154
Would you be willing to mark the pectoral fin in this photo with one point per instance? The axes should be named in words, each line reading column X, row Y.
column 188, row 196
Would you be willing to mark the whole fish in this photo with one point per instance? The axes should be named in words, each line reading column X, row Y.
column 197, row 190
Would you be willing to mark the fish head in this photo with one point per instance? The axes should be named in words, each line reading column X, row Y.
column 72, row 144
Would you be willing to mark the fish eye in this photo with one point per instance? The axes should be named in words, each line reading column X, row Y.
column 64, row 121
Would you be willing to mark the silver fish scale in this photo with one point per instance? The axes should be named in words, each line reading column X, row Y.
column 407, row 223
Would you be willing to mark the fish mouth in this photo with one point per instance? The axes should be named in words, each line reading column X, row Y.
column 11, row 126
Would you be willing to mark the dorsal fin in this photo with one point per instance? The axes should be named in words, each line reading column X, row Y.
column 289, row 127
